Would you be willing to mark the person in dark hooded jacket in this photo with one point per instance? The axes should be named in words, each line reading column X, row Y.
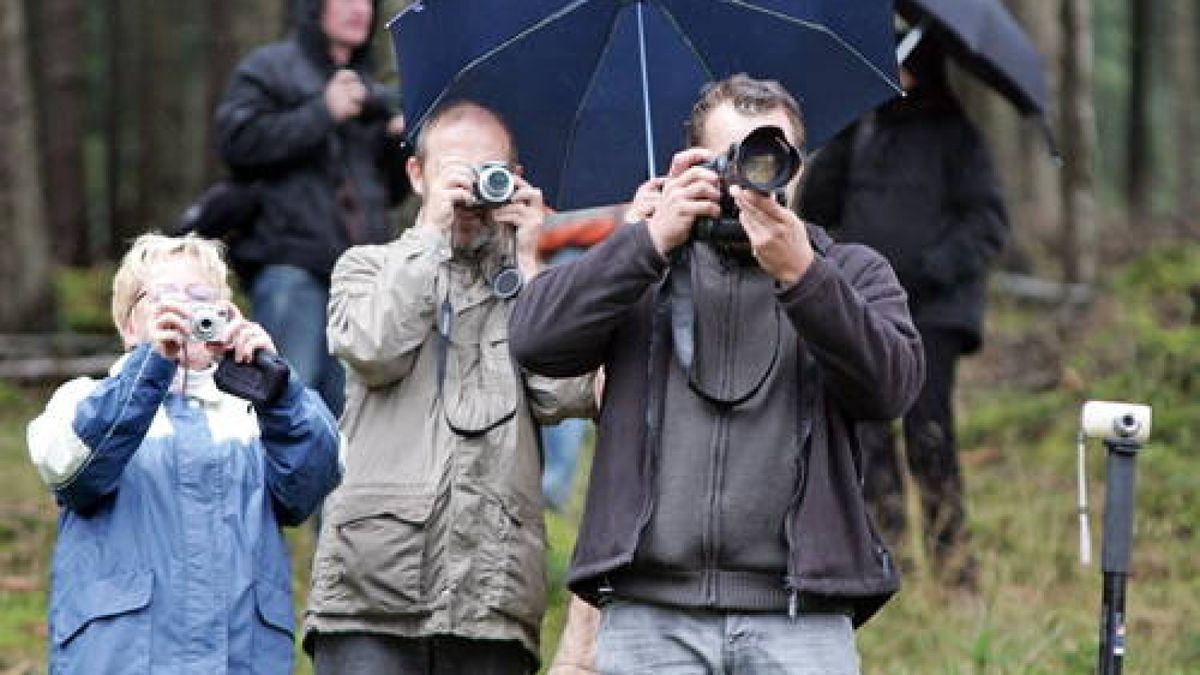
column 914, row 181
column 305, row 122
column 724, row 529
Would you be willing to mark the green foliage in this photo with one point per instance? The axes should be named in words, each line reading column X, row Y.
column 85, row 298
column 1037, row 609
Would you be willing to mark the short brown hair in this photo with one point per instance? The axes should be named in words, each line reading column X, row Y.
column 749, row 97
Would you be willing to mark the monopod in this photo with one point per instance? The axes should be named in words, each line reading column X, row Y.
column 1123, row 427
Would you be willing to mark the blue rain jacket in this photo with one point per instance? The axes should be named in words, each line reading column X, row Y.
column 170, row 556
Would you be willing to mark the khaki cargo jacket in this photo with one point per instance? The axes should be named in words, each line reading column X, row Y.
column 437, row 526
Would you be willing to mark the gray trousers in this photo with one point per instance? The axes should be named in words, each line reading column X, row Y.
column 638, row 638
column 371, row 654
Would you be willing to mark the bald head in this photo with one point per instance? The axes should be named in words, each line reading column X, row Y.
column 464, row 117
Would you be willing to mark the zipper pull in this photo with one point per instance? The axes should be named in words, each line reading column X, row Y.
column 793, row 605
column 605, row 590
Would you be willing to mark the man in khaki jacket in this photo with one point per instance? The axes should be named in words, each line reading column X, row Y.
column 431, row 554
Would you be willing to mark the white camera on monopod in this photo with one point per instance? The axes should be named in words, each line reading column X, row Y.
column 1115, row 421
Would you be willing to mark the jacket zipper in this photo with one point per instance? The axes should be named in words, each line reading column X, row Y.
column 733, row 278
column 802, row 449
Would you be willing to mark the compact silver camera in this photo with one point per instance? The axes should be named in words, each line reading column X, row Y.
column 208, row 322
column 495, row 184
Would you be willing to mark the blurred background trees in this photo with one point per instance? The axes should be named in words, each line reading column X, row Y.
column 107, row 104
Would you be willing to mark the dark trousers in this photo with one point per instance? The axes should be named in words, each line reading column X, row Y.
column 931, row 453
column 372, row 654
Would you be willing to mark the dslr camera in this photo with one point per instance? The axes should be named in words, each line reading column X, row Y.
column 764, row 162
column 495, row 184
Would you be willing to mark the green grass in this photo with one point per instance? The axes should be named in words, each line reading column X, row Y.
column 1037, row 609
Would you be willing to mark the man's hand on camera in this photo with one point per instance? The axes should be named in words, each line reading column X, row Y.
column 645, row 201
column 778, row 238
column 243, row 337
column 524, row 213
column 689, row 192
column 453, row 186
column 345, row 95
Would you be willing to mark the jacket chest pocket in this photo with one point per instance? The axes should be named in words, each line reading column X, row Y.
column 103, row 626
column 375, row 556
column 482, row 384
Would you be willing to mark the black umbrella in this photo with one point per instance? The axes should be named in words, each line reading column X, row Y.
column 983, row 37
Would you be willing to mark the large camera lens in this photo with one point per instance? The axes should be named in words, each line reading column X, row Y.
column 765, row 161
column 495, row 184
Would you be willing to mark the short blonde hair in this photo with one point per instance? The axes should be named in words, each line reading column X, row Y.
column 150, row 249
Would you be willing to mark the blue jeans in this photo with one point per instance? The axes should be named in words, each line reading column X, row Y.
column 637, row 638
column 561, row 443
column 290, row 302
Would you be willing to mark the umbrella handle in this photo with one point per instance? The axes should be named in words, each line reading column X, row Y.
column 911, row 39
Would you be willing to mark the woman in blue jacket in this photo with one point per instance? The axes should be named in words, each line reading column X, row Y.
column 170, row 556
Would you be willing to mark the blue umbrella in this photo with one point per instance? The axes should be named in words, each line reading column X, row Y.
column 597, row 91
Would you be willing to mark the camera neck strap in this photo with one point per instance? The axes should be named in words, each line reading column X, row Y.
column 683, row 308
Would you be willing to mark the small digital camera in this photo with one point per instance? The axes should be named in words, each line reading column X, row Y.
column 208, row 322
column 495, row 184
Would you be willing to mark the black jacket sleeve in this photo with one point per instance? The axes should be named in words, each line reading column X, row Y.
column 979, row 224
column 853, row 314
column 257, row 128
column 565, row 317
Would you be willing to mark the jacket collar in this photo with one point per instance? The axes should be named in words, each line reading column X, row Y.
column 193, row 384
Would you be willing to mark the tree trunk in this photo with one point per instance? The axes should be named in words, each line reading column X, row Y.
column 122, row 122
column 1137, row 133
column 223, row 55
column 61, row 91
column 1023, row 155
column 1184, row 86
column 170, row 100
column 1080, row 236
column 25, row 257
column 259, row 23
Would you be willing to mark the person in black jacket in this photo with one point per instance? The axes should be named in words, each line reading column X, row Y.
column 724, row 529
column 303, row 120
column 914, row 181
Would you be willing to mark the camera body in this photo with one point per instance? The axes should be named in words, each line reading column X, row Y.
column 1116, row 421
column 765, row 161
column 208, row 322
column 495, row 185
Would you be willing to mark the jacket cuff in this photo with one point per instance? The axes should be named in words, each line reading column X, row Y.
column 645, row 255
column 320, row 113
column 819, row 273
column 155, row 369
